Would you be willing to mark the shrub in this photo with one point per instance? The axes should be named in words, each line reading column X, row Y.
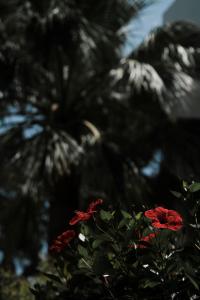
column 105, row 254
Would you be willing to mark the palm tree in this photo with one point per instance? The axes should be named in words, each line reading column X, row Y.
column 79, row 120
column 53, row 53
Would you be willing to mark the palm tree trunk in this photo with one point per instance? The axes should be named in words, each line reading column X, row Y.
column 65, row 200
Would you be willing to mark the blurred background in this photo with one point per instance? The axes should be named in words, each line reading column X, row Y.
column 98, row 99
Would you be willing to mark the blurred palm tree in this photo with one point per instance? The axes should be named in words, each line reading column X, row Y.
column 79, row 120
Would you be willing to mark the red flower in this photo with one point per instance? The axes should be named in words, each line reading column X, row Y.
column 146, row 239
column 84, row 216
column 165, row 218
column 93, row 205
column 80, row 216
column 62, row 241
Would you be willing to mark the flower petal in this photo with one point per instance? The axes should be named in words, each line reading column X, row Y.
column 80, row 216
column 93, row 205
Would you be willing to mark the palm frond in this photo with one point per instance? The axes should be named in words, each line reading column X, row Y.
column 174, row 52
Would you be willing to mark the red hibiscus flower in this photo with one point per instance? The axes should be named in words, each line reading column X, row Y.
column 93, row 205
column 165, row 218
column 84, row 216
column 62, row 241
column 146, row 239
column 80, row 216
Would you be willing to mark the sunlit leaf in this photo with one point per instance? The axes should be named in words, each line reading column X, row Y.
column 194, row 187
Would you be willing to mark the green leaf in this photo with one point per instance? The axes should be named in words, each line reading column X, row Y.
column 106, row 215
column 85, row 230
column 97, row 243
column 82, row 251
column 66, row 273
column 138, row 216
column 122, row 223
column 52, row 277
column 176, row 194
column 194, row 283
column 116, row 247
column 185, row 185
column 150, row 284
column 194, row 187
column 126, row 215
column 84, row 264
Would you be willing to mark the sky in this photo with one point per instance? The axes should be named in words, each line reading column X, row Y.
column 149, row 18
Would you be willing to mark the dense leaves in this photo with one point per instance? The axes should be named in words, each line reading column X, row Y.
column 117, row 255
column 13, row 287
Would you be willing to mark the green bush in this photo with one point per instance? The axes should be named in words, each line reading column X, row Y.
column 107, row 254
column 13, row 287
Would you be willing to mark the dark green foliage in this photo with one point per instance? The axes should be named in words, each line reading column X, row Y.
column 113, row 263
column 13, row 287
